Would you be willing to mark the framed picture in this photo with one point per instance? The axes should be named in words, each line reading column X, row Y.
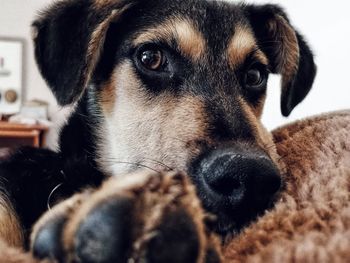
column 11, row 75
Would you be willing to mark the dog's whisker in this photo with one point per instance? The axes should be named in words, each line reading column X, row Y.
column 158, row 162
column 111, row 162
column 268, row 147
column 50, row 195
column 282, row 158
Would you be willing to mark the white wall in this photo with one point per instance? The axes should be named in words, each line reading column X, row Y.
column 325, row 24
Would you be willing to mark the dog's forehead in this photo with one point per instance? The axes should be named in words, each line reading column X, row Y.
column 197, row 27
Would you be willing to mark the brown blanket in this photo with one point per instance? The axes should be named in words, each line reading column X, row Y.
column 311, row 221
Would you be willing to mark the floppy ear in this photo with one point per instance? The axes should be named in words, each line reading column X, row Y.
column 68, row 40
column 288, row 53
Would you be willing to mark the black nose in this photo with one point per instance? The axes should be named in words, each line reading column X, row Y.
column 238, row 181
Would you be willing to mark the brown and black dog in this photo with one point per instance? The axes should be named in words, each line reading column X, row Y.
column 162, row 85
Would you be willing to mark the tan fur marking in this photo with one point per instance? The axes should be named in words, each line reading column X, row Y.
column 258, row 108
column 10, row 229
column 191, row 42
column 162, row 32
column 289, row 48
column 98, row 4
column 262, row 136
column 260, row 56
column 241, row 44
column 108, row 95
column 96, row 43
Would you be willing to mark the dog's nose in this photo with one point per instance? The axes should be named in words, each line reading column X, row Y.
column 232, row 180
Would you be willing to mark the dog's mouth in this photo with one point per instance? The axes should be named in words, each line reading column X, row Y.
column 229, row 224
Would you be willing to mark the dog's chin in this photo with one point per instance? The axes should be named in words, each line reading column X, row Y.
column 229, row 225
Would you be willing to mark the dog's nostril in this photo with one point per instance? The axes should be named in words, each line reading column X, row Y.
column 226, row 185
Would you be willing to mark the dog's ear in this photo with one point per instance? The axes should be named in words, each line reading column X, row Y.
column 288, row 53
column 68, row 40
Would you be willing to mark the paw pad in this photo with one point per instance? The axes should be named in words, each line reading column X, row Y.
column 151, row 217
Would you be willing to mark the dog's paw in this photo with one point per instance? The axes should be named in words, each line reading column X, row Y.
column 141, row 217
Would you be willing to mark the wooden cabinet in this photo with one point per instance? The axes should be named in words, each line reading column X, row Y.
column 13, row 135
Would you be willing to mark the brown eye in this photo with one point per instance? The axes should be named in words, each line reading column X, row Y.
column 255, row 79
column 152, row 59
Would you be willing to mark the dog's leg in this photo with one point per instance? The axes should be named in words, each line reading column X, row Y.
column 11, row 235
column 10, row 228
column 141, row 217
column 10, row 254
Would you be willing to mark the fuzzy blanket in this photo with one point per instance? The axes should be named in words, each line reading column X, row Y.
column 311, row 221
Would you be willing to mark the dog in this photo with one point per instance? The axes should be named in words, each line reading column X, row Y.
column 160, row 85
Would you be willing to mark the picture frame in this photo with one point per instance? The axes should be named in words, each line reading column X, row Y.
column 11, row 74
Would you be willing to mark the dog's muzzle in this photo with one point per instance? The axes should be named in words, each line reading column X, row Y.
column 236, row 185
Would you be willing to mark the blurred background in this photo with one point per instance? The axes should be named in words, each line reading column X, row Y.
column 325, row 24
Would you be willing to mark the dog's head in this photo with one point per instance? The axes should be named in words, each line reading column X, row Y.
column 180, row 84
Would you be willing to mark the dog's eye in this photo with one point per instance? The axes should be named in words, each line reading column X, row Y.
column 152, row 59
column 255, row 78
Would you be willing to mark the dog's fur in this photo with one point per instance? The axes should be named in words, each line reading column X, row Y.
column 126, row 118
